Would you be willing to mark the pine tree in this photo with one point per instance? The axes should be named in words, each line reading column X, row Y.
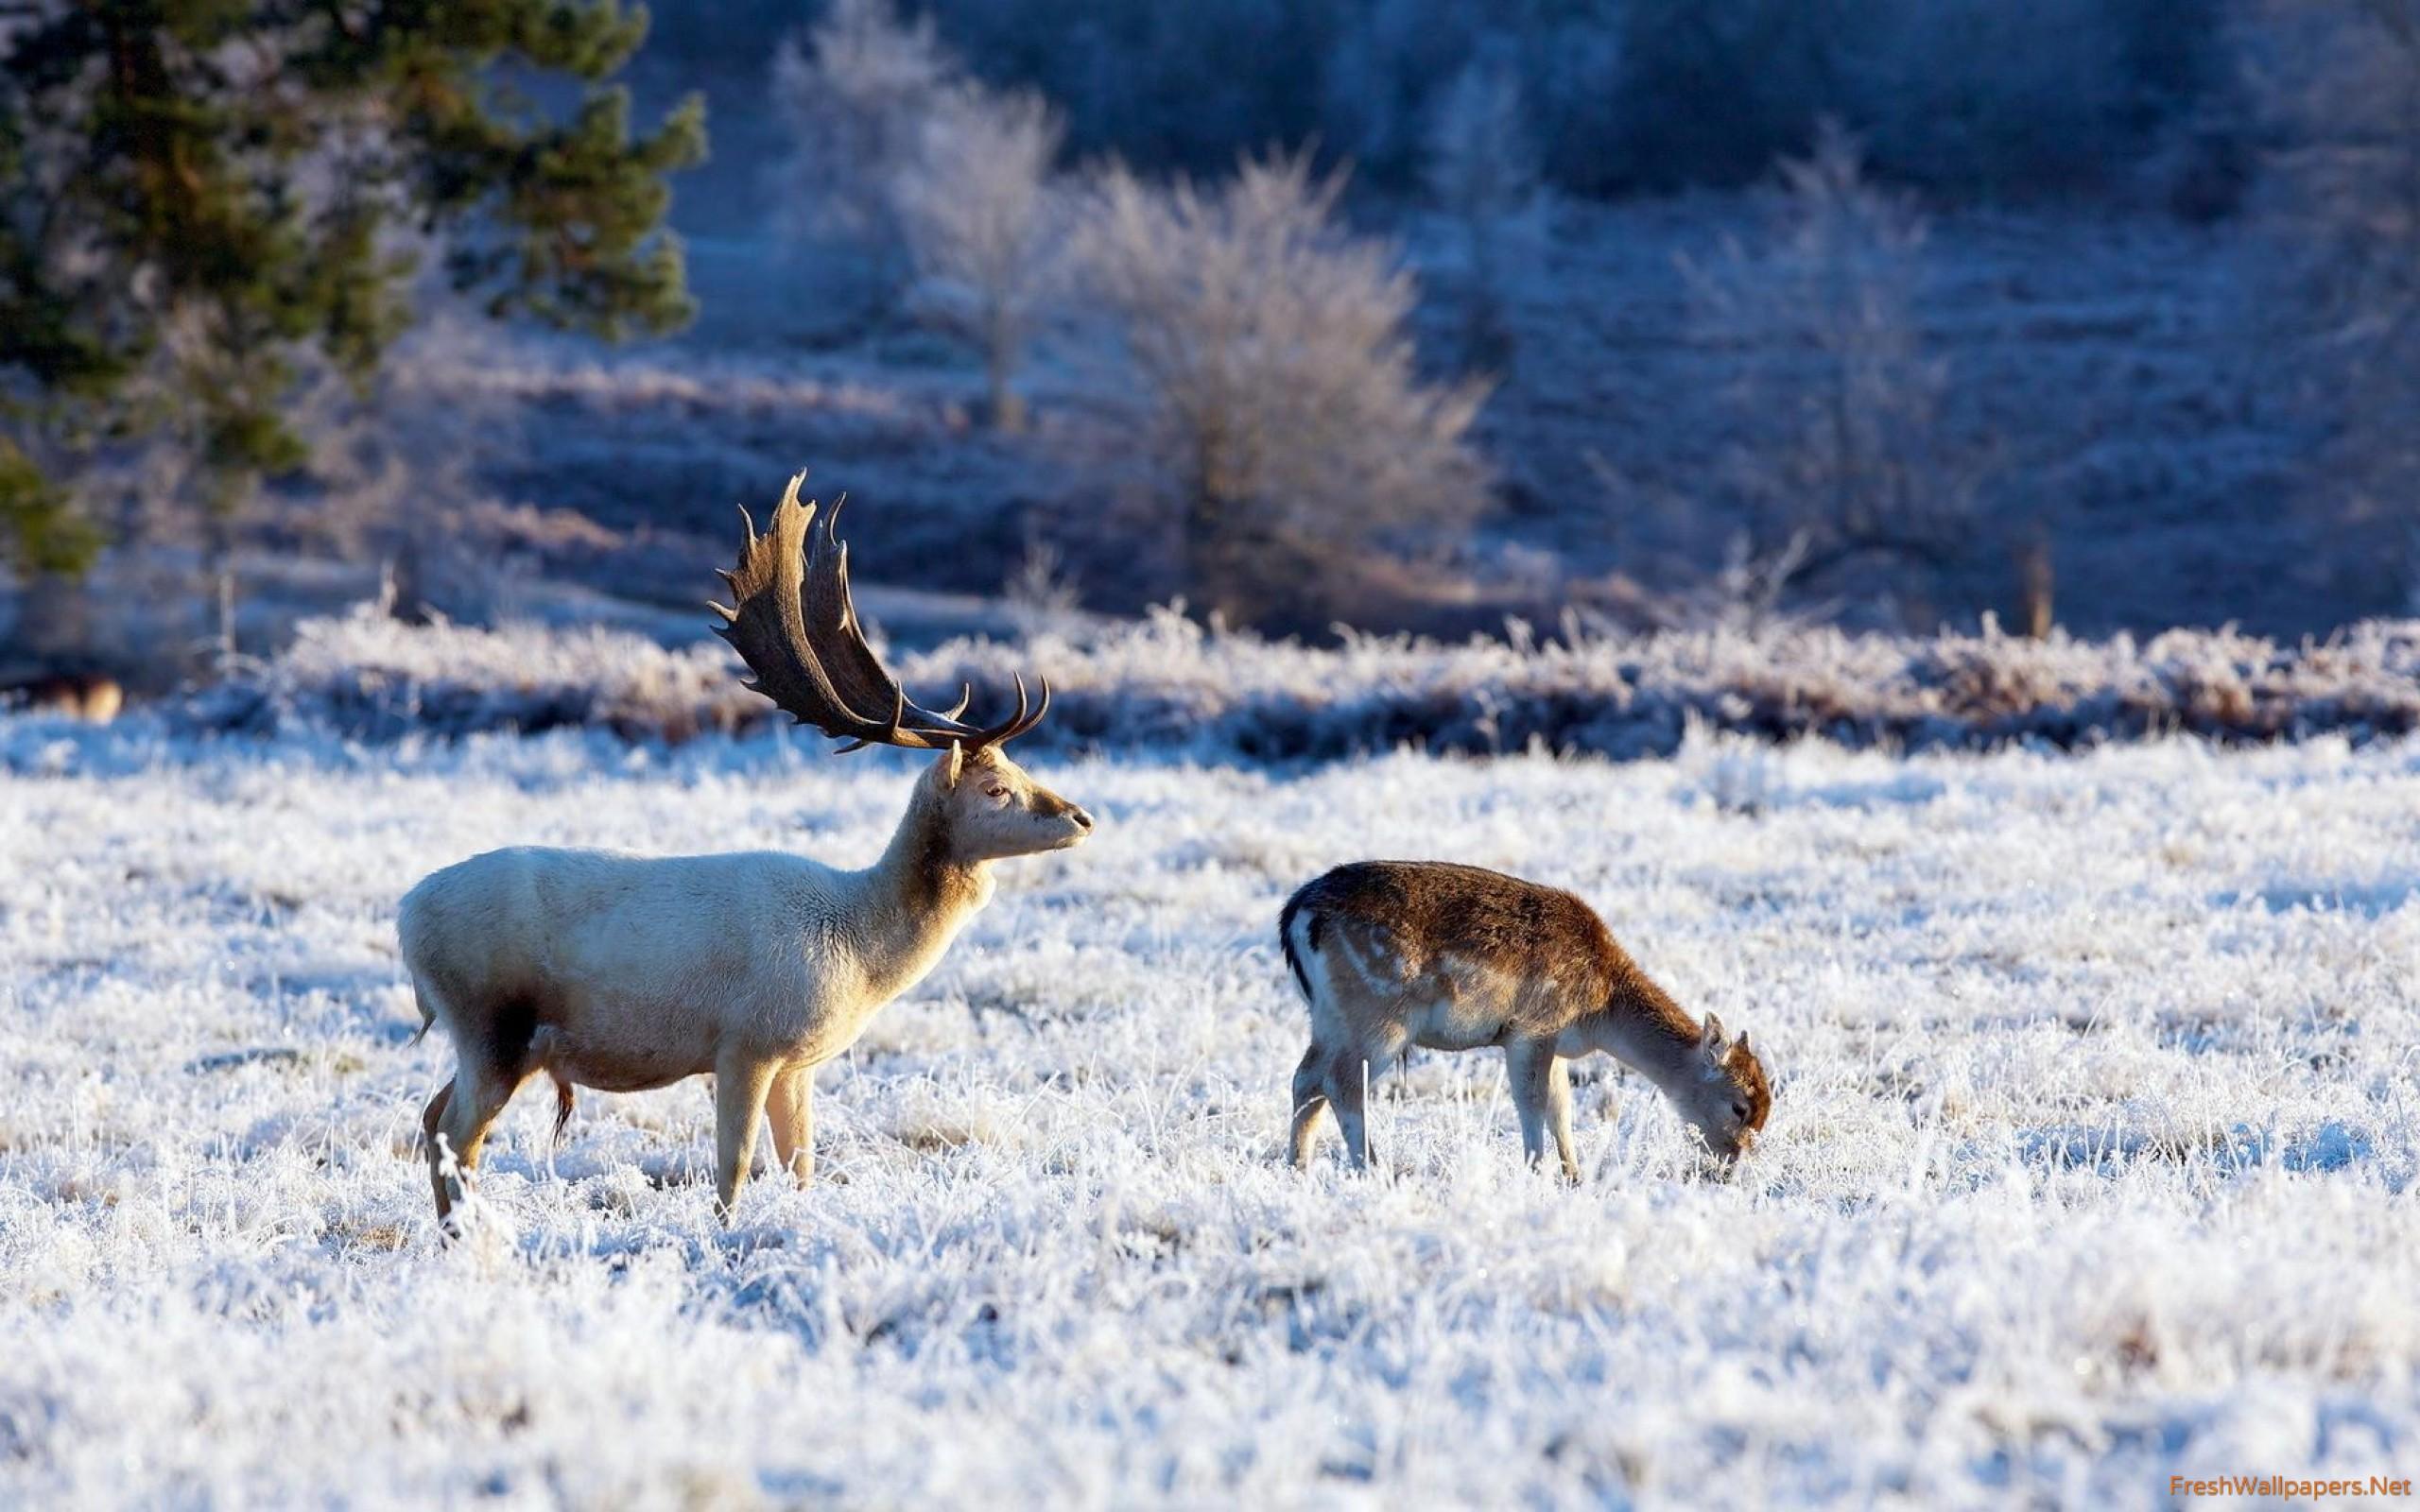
column 201, row 198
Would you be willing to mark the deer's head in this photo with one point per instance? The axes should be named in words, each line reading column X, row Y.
column 997, row 809
column 1724, row 1093
column 797, row 629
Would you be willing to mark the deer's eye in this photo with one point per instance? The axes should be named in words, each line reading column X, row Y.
column 995, row 790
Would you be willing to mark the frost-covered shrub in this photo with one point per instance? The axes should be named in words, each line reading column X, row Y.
column 1288, row 432
column 1482, row 172
column 1836, row 400
column 941, row 183
column 1167, row 683
column 855, row 92
column 979, row 212
column 373, row 678
column 1171, row 682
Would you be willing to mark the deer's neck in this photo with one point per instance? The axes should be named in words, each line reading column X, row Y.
column 918, row 897
column 1641, row 1026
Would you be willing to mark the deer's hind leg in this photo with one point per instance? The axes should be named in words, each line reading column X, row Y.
column 432, row 1118
column 458, row 1118
column 1310, row 1101
column 1347, row 1080
column 489, row 1069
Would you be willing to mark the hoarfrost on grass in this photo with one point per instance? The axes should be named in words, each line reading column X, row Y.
column 1167, row 683
column 2091, row 1159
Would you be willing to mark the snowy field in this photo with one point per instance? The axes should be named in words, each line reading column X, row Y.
column 2091, row 1159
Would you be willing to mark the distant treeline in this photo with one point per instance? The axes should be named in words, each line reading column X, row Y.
column 1982, row 98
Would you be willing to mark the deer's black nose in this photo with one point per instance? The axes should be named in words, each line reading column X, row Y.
column 1084, row 820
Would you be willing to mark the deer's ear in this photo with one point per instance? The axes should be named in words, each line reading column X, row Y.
column 1712, row 1039
column 953, row 764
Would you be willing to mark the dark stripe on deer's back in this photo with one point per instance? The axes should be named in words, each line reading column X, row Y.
column 1429, row 909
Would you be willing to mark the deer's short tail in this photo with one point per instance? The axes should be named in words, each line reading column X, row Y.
column 427, row 1014
column 1293, row 910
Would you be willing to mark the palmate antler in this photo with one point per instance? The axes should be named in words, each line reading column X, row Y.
column 797, row 629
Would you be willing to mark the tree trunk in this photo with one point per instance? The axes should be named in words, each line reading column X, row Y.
column 1003, row 405
column 2034, row 588
column 219, row 587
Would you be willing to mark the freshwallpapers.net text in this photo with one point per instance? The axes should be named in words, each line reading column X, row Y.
column 2288, row 1488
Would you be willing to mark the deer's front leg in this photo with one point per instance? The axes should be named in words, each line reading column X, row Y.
column 1559, row 1112
column 1542, row 1095
column 741, row 1085
column 789, row 1107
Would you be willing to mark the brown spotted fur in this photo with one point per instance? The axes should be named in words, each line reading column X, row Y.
column 1454, row 957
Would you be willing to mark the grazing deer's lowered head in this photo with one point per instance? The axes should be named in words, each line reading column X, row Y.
column 1713, row 1081
column 1396, row 953
column 628, row 972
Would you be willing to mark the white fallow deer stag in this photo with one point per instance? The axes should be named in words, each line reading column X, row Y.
column 1396, row 953
column 624, row 973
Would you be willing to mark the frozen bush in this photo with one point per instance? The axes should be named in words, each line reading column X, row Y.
column 855, row 94
column 1170, row 684
column 929, row 175
column 1288, row 432
column 1482, row 172
column 1838, row 398
column 977, row 205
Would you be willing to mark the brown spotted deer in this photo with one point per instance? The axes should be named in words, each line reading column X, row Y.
column 626, row 972
column 1396, row 953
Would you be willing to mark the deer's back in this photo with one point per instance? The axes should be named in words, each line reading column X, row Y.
column 1438, row 931
column 670, row 926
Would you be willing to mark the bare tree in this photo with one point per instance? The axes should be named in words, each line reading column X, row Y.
column 2338, row 83
column 928, row 175
column 1482, row 171
column 979, row 211
column 1837, row 402
column 856, row 94
column 1289, row 428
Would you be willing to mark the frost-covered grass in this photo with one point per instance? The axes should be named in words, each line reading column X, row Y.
column 1164, row 683
column 2092, row 1157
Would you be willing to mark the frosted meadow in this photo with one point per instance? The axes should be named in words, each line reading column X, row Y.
column 2090, row 1159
